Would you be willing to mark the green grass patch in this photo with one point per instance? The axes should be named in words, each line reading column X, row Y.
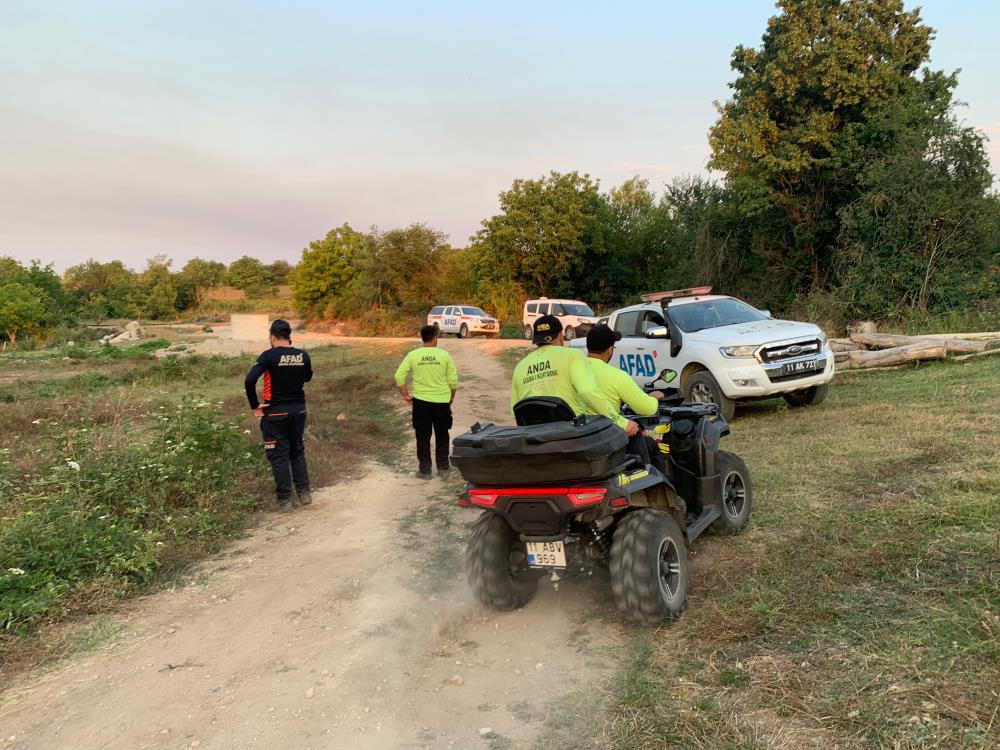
column 118, row 474
column 860, row 607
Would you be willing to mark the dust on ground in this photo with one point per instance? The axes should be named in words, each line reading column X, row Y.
column 345, row 625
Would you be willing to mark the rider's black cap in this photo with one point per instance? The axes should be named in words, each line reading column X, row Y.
column 281, row 329
column 600, row 337
column 546, row 329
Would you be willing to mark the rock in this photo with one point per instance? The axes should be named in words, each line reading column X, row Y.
column 456, row 680
column 310, row 692
column 341, row 417
column 208, row 329
column 485, row 731
column 539, row 665
column 70, row 343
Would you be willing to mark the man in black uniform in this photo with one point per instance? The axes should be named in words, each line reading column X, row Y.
column 283, row 412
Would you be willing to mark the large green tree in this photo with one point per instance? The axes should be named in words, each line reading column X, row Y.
column 248, row 274
column 545, row 234
column 21, row 311
column 105, row 290
column 199, row 276
column 802, row 106
column 321, row 277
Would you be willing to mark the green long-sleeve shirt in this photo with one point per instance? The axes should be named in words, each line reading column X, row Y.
column 562, row 372
column 616, row 387
column 434, row 374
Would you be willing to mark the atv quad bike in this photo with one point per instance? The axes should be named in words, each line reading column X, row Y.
column 559, row 489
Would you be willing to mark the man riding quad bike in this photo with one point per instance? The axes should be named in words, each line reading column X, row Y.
column 558, row 489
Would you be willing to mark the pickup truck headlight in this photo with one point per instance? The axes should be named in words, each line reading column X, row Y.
column 738, row 351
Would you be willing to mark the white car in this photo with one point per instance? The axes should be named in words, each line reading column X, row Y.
column 463, row 321
column 723, row 349
column 577, row 317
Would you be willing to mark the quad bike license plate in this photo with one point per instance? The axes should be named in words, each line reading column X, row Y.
column 546, row 554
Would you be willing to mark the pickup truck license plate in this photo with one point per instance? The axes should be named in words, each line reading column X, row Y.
column 546, row 554
column 792, row 368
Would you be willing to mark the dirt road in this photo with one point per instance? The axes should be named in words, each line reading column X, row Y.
column 347, row 625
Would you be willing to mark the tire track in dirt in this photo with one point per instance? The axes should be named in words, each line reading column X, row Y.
column 331, row 628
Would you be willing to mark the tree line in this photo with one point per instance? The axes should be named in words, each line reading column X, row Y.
column 34, row 299
column 849, row 189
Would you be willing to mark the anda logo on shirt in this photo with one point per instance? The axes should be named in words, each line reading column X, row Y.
column 290, row 359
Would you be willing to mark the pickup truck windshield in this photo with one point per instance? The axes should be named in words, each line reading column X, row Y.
column 580, row 309
column 473, row 311
column 713, row 313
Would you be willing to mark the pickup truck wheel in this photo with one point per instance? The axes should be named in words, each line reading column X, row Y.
column 528, row 333
column 496, row 562
column 704, row 388
column 463, row 332
column 649, row 571
column 735, row 496
column 569, row 332
column 808, row 396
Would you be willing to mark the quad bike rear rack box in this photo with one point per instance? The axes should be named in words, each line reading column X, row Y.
column 586, row 448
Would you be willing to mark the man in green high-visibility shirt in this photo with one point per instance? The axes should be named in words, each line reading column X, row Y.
column 554, row 370
column 617, row 387
column 435, row 381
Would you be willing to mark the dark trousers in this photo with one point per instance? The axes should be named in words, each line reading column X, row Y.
column 286, row 450
column 427, row 417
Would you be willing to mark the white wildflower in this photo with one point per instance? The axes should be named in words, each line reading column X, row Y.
column 73, row 465
column 15, row 571
column 37, row 421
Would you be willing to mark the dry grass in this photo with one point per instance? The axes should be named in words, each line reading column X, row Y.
column 860, row 608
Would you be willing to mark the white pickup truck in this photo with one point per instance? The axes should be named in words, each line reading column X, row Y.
column 723, row 349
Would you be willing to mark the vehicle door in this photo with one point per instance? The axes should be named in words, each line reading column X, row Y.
column 450, row 322
column 640, row 357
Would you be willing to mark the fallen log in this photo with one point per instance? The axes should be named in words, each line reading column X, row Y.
column 987, row 353
column 844, row 345
column 891, row 340
column 981, row 336
column 917, row 352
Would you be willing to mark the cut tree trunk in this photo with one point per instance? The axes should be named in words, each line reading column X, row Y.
column 988, row 353
column 844, row 345
column 918, row 352
column 890, row 340
column 981, row 336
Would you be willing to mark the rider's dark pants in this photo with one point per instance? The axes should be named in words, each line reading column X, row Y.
column 283, row 443
column 427, row 417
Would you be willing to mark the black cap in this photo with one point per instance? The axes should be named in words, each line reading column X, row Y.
column 546, row 329
column 600, row 338
column 281, row 329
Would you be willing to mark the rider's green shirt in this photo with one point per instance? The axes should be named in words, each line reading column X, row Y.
column 434, row 374
column 558, row 371
column 617, row 387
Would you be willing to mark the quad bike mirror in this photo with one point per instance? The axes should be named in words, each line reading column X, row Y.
column 667, row 376
column 658, row 332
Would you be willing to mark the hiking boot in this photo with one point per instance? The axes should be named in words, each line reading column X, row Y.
column 423, row 475
column 444, row 472
column 282, row 506
column 305, row 498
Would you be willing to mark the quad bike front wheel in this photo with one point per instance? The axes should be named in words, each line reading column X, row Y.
column 496, row 562
column 649, row 570
column 735, row 494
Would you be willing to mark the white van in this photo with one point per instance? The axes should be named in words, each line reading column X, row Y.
column 577, row 317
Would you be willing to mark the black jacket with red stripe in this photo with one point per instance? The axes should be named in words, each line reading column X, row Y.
column 285, row 370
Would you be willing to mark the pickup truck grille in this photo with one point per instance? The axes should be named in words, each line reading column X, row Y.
column 790, row 350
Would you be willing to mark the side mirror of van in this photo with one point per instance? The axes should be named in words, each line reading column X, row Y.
column 659, row 332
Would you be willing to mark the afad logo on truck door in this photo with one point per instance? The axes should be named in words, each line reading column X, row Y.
column 642, row 365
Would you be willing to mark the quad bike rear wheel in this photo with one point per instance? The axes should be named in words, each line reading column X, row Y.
column 497, row 565
column 649, row 571
column 735, row 494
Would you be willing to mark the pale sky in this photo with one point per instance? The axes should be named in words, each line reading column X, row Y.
column 220, row 129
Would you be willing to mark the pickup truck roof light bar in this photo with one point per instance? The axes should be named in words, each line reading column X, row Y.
column 664, row 297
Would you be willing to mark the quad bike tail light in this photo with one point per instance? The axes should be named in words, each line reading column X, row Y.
column 580, row 497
